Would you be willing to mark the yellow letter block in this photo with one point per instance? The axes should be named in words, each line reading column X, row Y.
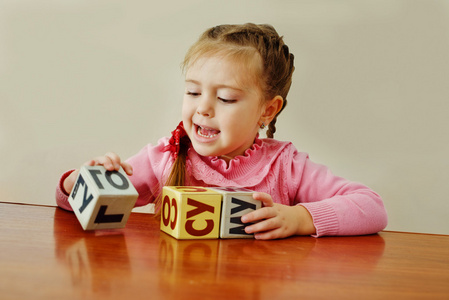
column 190, row 212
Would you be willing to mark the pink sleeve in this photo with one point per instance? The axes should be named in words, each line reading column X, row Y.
column 338, row 206
column 150, row 166
column 62, row 197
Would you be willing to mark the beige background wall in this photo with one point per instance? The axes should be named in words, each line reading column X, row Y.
column 369, row 99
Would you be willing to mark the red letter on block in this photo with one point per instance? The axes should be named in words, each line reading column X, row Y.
column 200, row 208
column 166, row 220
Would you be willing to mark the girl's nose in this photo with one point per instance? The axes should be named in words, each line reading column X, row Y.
column 205, row 107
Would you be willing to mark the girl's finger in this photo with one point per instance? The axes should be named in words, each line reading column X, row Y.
column 259, row 214
column 128, row 168
column 265, row 198
column 111, row 162
column 102, row 161
column 115, row 160
column 263, row 226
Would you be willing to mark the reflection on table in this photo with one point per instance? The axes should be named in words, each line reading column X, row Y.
column 45, row 254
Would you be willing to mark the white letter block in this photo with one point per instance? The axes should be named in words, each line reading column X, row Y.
column 236, row 203
column 102, row 199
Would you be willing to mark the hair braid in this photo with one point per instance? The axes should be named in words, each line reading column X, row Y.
column 272, row 126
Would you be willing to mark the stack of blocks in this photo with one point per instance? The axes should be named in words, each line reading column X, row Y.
column 102, row 199
column 206, row 213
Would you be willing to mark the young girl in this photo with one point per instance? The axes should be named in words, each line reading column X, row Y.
column 237, row 78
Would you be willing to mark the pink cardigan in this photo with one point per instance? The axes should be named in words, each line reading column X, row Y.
column 337, row 206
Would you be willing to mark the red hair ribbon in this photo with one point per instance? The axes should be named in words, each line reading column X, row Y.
column 175, row 140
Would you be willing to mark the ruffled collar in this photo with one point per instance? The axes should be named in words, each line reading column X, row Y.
column 247, row 170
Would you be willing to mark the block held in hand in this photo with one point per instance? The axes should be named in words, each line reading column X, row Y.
column 236, row 203
column 102, row 199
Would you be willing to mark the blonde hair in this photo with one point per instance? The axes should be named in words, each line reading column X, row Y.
column 247, row 41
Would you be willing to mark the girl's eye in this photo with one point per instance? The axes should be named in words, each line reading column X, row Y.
column 194, row 94
column 227, row 100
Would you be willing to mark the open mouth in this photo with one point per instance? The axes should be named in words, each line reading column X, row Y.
column 207, row 132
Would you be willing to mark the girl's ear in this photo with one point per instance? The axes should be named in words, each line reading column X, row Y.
column 271, row 109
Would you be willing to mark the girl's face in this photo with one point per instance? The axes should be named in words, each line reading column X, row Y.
column 222, row 106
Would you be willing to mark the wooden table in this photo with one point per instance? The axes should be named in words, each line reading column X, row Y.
column 45, row 254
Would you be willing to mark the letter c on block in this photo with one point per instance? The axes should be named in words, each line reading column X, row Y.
column 167, row 212
column 195, row 232
column 175, row 214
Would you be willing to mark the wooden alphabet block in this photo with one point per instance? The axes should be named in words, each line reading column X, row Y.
column 190, row 212
column 102, row 199
column 236, row 203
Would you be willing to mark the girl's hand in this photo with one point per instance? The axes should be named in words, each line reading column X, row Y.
column 276, row 221
column 110, row 161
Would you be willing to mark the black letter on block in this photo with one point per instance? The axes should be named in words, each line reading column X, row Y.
column 103, row 218
column 242, row 205
column 86, row 200
column 77, row 184
column 95, row 174
column 123, row 186
column 239, row 229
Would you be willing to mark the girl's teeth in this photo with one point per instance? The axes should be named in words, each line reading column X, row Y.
column 207, row 133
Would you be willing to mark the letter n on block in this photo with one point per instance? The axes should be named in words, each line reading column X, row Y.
column 190, row 212
column 236, row 203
